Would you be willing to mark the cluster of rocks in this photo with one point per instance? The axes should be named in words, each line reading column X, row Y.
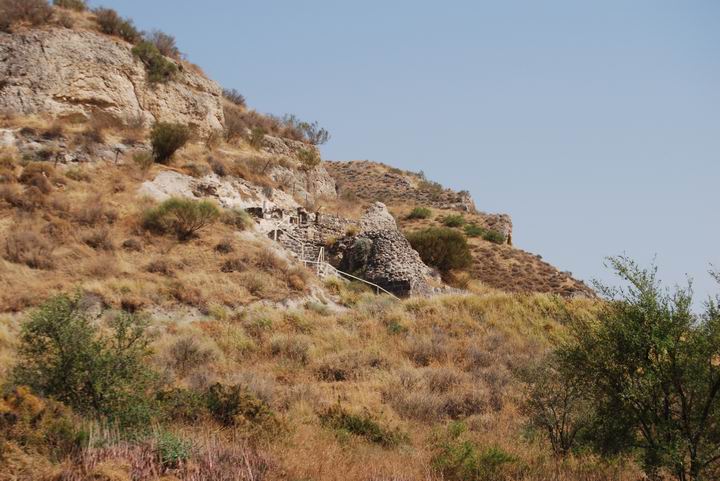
column 34, row 145
column 70, row 73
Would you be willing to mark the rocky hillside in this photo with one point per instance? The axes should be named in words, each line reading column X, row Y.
column 189, row 292
column 497, row 265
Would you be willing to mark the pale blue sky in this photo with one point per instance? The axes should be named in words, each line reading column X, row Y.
column 595, row 124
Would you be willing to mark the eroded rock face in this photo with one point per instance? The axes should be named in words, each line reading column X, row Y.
column 306, row 186
column 68, row 73
column 227, row 192
column 385, row 257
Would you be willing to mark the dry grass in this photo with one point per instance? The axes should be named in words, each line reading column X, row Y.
column 63, row 228
column 413, row 365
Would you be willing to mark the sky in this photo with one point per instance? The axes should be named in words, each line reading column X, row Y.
column 594, row 124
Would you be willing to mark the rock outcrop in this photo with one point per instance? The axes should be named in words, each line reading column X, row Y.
column 227, row 192
column 306, row 186
column 382, row 254
column 67, row 73
column 33, row 145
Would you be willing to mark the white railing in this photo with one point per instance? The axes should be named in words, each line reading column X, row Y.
column 322, row 266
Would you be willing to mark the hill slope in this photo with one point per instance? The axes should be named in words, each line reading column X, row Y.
column 188, row 328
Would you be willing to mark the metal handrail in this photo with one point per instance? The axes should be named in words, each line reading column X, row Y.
column 322, row 263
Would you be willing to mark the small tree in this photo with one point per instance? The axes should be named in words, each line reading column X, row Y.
column 650, row 369
column 554, row 403
column 183, row 217
column 94, row 370
column 166, row 139
column 443, row 248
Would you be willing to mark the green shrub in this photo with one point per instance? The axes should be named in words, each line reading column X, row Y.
column 34, row 12
column 494, row 236
column 98, row 370
column 171, row 449
column 474, row 230
column 420, row 213
column 77, row 5
column 309, row 159
column 648, row 368
column 166, row 139
column 463, row 460
column 453, row 220
column 237, row 218
column 182, row 217
column 445, row 249
column 362, row 425
column 157, row 66
column 111, row 23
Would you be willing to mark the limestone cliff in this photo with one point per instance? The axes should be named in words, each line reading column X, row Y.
column 67, row 73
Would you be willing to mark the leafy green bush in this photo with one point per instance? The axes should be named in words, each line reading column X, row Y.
column 166, row 139
column 649, row 369
column 445, row 249
column 420, row 213
column 362, row 425
column 463, row 460
column 474, row 230
column 494, row 236
column 172, row 450
column 77, row 5
column 34, row 12
column 453, row 220
column 98, row 370
column 157, row 66
column 182, row 217
column 111, row 23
